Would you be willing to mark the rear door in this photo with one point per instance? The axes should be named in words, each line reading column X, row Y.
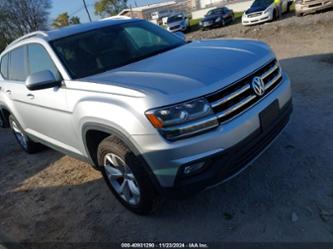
column 14, row 87
column 3, row 76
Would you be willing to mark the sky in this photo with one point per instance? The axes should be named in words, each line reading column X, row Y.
column 76, row 8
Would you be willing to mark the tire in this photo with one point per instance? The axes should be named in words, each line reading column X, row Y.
column 275, row 15
column 222, row 23
column 125, row 176
column 23, row 140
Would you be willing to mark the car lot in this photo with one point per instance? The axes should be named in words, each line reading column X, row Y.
column 287, row 195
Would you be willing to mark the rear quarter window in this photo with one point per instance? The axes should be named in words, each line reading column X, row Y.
column 4, row 66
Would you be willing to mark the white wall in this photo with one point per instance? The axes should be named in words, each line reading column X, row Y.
column 236, row 7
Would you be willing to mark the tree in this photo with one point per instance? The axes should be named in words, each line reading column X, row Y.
column 106, row 8
column 19, row 17
column 63, row 20
column 75, row 20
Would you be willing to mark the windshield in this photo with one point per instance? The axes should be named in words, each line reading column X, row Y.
column 114, row 46
column 175, row 18
column 261, row 3
column 214, row 12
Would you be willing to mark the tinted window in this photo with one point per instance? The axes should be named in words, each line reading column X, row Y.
column 175, row 18
column 261, row 3
column 106, row 48
column 4, row 66
column 214, row 12
column 17, row 68
column 39, row 60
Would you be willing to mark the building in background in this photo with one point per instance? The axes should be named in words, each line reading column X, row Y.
column 146, row 11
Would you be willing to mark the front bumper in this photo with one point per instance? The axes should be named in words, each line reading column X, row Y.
column 312, row 6
column 264, row 17
column 209, row 24
column 229, row 163
column 176, row 29
column 166, row 159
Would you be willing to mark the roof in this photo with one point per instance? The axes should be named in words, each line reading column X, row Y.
column 71, row 30
column 80, row 28
column 148, row 6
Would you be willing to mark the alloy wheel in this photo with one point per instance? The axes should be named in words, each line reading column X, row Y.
column 122, row 178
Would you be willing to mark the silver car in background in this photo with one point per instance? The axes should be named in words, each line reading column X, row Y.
column 158, row 116
column 177, row 22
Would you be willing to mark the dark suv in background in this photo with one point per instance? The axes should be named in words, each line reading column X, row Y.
column 217, row 18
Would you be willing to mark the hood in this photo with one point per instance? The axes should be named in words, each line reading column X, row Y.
column 210, row 17
column 257, row 9
column 191, row 70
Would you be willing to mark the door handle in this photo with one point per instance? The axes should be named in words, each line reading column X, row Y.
column 9, row 92
column 30, row 96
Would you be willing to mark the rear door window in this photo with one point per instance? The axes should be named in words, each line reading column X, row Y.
column 17, row 65
column 4, row 66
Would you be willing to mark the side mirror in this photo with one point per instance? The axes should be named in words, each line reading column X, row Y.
column 181, row 35
column 41, row 80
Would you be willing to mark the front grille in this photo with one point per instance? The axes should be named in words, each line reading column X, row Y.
column 255, row 14
column 239, row 96
column 175, row 27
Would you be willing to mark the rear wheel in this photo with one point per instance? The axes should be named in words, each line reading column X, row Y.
column 24, row 141
column 125, row 175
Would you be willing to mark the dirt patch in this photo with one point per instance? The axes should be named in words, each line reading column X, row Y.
column 285, row 196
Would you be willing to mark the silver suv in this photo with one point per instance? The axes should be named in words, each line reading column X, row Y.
column 158, row 116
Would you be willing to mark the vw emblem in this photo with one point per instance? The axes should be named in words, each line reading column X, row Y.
column 258, row 86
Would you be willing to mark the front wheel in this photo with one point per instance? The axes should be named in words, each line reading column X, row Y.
column 24, row 141
column 125, row 175
column 222, row 23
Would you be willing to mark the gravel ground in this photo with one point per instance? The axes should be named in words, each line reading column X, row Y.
column 287, row 195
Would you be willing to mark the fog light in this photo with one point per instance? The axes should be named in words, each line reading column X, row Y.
column 193, row 168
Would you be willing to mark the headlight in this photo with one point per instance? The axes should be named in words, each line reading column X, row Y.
column 184, row 119
column 268, row 10
column 218, row 19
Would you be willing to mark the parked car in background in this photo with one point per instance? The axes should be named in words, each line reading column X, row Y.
column 217, row 18
column 177, row 22
column 155, row 114
column 303, row 7
column 159, row 15
column 263, row 11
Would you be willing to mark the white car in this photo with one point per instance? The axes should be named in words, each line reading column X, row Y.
column 178, row 22
column 159, row 15
column 263, row 11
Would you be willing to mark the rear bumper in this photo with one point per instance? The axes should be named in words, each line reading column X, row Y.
column 313, row 6
column 223, row 166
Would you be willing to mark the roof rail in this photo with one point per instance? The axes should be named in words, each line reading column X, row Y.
column 36, row 33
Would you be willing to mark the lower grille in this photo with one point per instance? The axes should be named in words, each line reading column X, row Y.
column 236, row 98
column 175, row 27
